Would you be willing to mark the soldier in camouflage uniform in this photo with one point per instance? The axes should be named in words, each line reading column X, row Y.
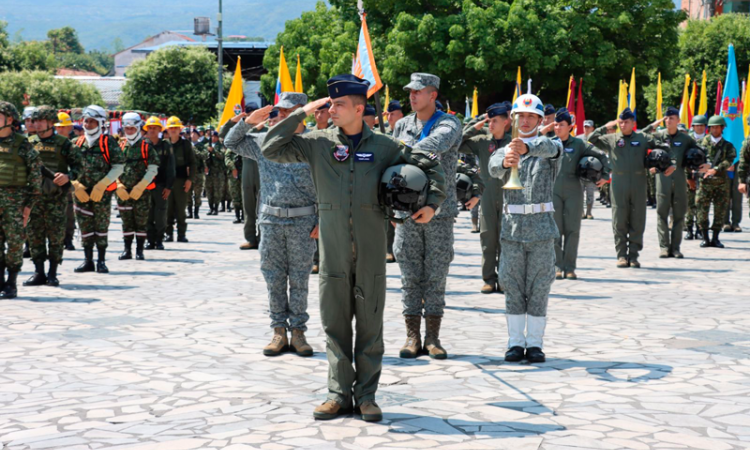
column 527, row 262
column 698, row 132
column 199, row 182
column 424, row 251
column 101, row 163
column 288, row 223
column 714, row 188
column 216, row 177
column 20, row 186
column 234, row 176
column 134, row 202
column 49, row 216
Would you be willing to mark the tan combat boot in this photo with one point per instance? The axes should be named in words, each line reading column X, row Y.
column 330, row 410
column 570, row 275
column 279, row 343
column 488, row 288
column 413, row 338
column 431, row 339
column 474, row 225
column 370, row 411
column 299, row 343
column 622, row 262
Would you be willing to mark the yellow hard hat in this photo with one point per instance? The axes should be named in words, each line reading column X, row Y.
column 153, row 121
column 63, row 120
column 174, row 122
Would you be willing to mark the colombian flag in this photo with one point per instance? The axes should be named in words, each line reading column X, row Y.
column 284, row 82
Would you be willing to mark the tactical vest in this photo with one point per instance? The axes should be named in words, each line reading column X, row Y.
column 13, row 170
column 49, row 153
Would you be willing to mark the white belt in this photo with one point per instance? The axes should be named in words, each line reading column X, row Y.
column 288, row 212
column 529, row 209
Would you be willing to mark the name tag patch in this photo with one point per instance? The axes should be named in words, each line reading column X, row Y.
column 677, row 144
column 635, row 143
column 569, row 150
column 364, row 157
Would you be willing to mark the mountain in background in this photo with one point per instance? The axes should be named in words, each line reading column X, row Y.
column 100, row 24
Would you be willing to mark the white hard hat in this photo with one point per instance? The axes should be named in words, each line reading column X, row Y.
column 95, row 112
column 528, row 103
column 132, row 119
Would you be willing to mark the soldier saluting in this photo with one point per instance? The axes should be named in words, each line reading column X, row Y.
column 347, row 162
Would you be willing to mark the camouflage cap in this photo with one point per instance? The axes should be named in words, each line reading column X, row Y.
column 420, row 81
column 7, row 109
column 291, row 99
column 44, row 113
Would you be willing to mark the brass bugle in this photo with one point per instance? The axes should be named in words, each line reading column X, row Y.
column 514, row 182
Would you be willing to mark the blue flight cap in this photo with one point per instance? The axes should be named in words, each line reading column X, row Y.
column 549, row 109
column 250, row 107
column 627, row 114
column 326, row 106
column 370, row 110
column 563, row 115
column 394, row 105
column 498, row 109
column 347, row 84
column 672, row 111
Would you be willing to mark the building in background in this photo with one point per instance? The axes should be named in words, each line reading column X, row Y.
column 704, row 9
column 109, row 87
column 127, row 57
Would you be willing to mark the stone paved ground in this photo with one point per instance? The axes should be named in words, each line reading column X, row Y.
column 166, row 354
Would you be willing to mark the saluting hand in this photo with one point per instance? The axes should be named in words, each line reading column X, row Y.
column 479, row 125
column 259, row 115
column 238, row 117
column 312, row 107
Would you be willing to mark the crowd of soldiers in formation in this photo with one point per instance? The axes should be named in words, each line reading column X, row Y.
column 311, row 200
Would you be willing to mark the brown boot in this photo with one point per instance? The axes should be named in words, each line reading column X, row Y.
column 570, row 275
column 488, row 288
column 413, row 337
column 431, row 339
column 279, row 343
column 370, row 411
column 330, row 410
column 299, row 343
column 622, row 262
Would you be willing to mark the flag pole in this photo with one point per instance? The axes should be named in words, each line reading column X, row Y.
column 379, row 111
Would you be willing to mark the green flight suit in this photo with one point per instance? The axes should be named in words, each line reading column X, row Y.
column 672, row 191
column 629, row 186
column 568, row 200
column 483, row 145
column 352, row 241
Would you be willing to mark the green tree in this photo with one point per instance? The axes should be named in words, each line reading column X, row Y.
column 33, row 55
column 481, row 43
column 704, row 45
column 174, row 81
column 64, row 40
column 6, row 54
column 45, row 89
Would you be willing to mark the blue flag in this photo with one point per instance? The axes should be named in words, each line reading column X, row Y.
column 730, row 107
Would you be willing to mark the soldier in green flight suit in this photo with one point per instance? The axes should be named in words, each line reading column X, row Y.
column 671, row 190
column 714, row 188
column 347, row 163
column 568, row 195
column 20, row 186
column 627, row 149
column 698, row 132
column 185, row 170
column 48, row 219
column 482, row 145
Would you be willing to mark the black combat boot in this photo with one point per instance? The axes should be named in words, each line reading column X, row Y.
column 139, row 248
column 706, row 240
column 101, row 267
column 26, row 251
column 169, row 238
column 69, row 244
column 196, row 212
column 181, row 237
column 223, row 206
column 237, row 215
column 88, row 262
column 189, row 213
column 689, row 233
column 10, row 290
column 698, row 233
column 715, row 242
column 128, row 251
column 52, row 274
column 159, row 245
column 39, row 278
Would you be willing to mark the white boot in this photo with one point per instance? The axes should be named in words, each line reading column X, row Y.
column 516, row 327
column 535, row 332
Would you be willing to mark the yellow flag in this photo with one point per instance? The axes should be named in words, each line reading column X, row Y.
column 517, row 90
column 622, row 100
column 631, row 100
column 284, row 81
column 235, row 99
column 746, row 106
column 684, row 107
column 475, row 103
column 567, row 102
column 659, row 112
column 703, row 103
column 692, row 99
column 298, row 78
column 387, row 101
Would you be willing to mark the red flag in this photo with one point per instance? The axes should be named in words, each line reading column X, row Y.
column 719, row 94
column 580, row 113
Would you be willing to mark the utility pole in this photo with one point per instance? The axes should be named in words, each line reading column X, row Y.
column 221, row 55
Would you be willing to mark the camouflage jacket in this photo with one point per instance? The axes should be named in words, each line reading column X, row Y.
column 28, row 194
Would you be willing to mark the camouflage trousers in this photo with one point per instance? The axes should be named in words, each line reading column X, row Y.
column 12, row 233
column 286, row 260
column 714, row 191
column 235, row 190
column 134, row 215
column 215, row 188
column 651, row 185
column 47, row 223
column 196, row 191
column 424, row 253
column 227, row 193
column 692, row 209
column 93, row 220
column 527, row 271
